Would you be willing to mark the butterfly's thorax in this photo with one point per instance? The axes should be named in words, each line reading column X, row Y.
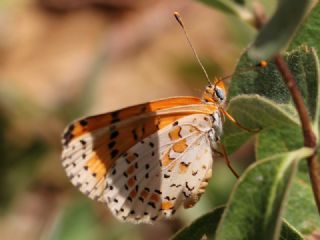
column 216, row 131
column 208, row 95
column 214, row 94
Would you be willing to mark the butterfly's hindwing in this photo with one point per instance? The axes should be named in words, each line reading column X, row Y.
column 154, row 177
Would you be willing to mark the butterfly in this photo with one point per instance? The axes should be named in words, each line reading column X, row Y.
column 147, row 160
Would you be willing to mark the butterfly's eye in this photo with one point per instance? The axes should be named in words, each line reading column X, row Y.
column 219, row 93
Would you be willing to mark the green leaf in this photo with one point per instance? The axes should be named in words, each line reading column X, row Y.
column 301, row 209
column 220, row 5
column 310, row 31
column 277, row 116
column 207, row 225
column 304, row 64
column 235, row 7
column 278, row 31
column 253, row 112
column 255, row 207
column 288, row 232
column 267, row 82
column 203, row 226
column 281, row 134
column 279, row 139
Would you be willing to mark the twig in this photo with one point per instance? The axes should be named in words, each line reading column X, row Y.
column 308, row 135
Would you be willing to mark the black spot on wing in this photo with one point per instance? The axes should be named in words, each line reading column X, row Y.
column 152, row 204
column 68, row 136
column 189, row 188
column 111, row 144
column 83, row 122
column 154, row 218
column 115, row 117
column 157, row 191
column 83, row 142
column 114, row 153
column 135, row 134
column 175, row 185
column 113, row 134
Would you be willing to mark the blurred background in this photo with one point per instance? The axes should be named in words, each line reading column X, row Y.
column 63, row 59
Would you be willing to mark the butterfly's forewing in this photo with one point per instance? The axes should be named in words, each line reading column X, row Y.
column 92, row 144
column 101, row 145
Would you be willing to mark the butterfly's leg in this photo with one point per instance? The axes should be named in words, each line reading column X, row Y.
column 225, row 113
column 227, row 161
column 215, row 151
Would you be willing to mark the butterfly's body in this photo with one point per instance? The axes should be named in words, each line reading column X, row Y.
column 147, row 160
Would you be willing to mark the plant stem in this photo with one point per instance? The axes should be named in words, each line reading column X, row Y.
column 308, row 135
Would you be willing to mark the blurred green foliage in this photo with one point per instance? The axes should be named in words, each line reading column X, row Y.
column 18, row 162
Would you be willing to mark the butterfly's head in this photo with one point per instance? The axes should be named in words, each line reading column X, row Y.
column 215, row 92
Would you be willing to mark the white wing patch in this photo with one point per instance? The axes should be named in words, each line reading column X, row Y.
column 167, row 169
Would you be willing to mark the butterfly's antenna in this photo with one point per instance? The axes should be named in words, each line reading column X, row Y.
column 261, row 64
column 179, row 20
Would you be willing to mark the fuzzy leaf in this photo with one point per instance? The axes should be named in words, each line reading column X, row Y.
column 268, row 82
column 254, row 111
column 301, row 209
column 277, row 116
column 288, row 232
column 310, row 31
column 255, row 207
column 278, row 31
column 206, row 225
column 203, row 226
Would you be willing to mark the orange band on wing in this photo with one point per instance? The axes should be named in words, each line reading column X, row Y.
column 103, row 120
